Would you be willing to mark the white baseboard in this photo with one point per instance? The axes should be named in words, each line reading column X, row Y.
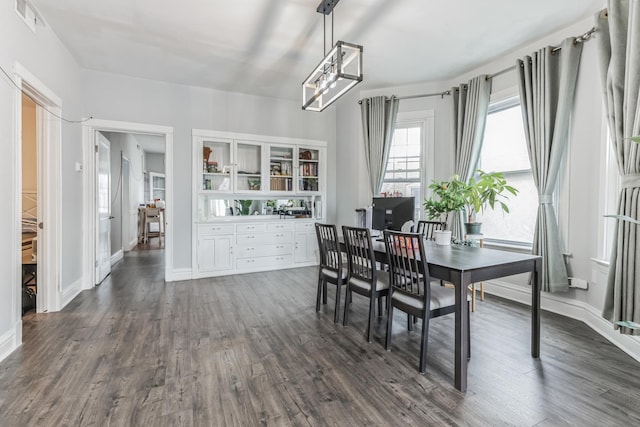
column 117, row 257
column 132, row 244
column 571, row 308
column 10, row 340
column 70, row 292
column 178, row 274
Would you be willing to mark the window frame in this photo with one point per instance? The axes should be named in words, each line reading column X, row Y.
column 500, row 102
column 425, row 120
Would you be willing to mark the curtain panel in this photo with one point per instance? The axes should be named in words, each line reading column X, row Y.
column 470, row 105
column 618, row 43
column 379, row 116
column 547, row 82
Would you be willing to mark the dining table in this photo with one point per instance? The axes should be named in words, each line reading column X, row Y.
column 462, row 265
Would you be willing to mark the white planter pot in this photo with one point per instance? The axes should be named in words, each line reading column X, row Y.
column 443, row 237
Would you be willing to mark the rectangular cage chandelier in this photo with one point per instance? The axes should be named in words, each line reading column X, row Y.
column 339, row 70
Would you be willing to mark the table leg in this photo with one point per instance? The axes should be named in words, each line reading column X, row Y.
column 461, row 282
column 536, row 278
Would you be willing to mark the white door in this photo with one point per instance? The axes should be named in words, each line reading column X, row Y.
column 103, row 192
column 215, row 253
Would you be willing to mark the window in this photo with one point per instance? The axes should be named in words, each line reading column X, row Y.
column 609, row 192
column 403, row 172
column 504, row 150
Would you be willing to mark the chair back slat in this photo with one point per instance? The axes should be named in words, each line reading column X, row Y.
column 408, row 268
column 426, row 228
column 360, row 255
column 329, row 247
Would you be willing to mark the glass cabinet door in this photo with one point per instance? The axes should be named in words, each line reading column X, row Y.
column 308, row 162
column 248, row 167
column 280, row 169
column 216, row 166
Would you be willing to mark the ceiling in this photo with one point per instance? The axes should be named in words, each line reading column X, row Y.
column 268, row 47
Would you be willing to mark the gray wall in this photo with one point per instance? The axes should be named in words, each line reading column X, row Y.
column 154, row 162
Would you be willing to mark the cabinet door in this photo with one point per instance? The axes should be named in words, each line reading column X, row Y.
column 216, row 164
column 281, row 169
column 215, row 253
column 308, row 170
column 305, row 247
column 248, row 172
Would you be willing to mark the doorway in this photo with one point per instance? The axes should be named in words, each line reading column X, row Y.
column 36, row 196
column 127, row 193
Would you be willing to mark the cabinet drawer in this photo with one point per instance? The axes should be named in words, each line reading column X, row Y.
column 265, row 261
column 210, row 229
column 250, row 228
column 264, row 250
column 305, row 226
column 263, row 238
column 280, row 226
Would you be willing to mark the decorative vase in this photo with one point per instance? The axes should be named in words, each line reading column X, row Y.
column 472, row 227
column 442, row 237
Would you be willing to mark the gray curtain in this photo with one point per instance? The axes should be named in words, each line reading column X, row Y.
column 470, row 104
column 547, row 82
column 378, row 122
column 618, row 41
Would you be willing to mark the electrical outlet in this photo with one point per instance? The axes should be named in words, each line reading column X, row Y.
column 574, row 282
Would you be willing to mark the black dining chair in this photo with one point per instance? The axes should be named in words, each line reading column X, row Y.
column 411, row 290
column 426, row 228
column 364, row 276
column 331, row 269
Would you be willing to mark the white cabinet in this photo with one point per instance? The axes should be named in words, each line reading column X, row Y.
column 264, row 245
column 214, row 249
column 255, row 201
column 213, row 167
column 305, row 243
column 156, row 186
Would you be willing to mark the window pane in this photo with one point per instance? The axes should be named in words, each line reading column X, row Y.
column 504, row 146
column 504, row 150
column 402, row 176
column 518, row 225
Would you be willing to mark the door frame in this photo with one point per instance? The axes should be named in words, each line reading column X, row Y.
column 89, row 130
column 48, row 141
column 124, row 204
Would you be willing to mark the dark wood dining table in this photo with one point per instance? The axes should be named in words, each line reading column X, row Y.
column 462, row 265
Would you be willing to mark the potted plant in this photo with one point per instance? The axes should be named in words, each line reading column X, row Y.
column 447, row 197
column 486, row 190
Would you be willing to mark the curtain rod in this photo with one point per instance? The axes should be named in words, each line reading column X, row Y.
column 579, row 39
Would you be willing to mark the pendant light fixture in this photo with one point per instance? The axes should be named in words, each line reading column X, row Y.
column 339, row 70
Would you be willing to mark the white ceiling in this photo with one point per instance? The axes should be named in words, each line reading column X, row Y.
column 268, row 47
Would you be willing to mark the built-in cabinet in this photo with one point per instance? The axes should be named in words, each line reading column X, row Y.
column 239, row 184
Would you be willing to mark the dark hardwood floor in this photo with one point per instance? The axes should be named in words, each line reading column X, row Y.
column 250, row 350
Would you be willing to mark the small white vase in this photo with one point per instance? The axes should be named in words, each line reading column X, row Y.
column 443, row 237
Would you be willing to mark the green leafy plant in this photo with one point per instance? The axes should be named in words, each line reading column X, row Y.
column 488, row 189
column 447, row 196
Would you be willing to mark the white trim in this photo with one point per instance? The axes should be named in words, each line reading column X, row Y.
column 205, row 133
column 571, row 308
column 10, row 340
column 117, row 256
column 49, row 137
column 88, row 131
column 426, row 119
column 70, row 292
column 179, row 274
